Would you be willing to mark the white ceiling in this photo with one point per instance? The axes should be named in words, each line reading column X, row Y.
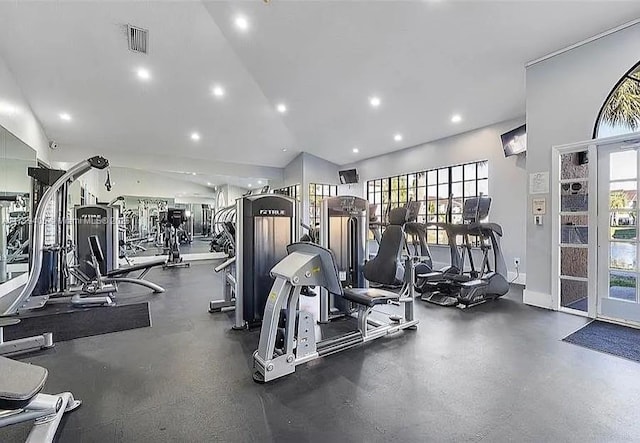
column 324, row 59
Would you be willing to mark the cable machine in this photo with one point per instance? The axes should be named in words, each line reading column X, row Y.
column 265, row 225
column 344, row 226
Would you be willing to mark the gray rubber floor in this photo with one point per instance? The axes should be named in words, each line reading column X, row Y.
column 498, row 372
column 198, row 245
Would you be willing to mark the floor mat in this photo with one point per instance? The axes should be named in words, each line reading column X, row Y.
column 613, row 339
column 76, row 323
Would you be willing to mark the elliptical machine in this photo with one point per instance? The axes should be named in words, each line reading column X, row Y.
column 456, row 287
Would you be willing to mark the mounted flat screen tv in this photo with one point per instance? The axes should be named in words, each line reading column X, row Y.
column 515, row 141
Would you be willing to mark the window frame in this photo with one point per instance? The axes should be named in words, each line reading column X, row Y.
column 627, row 75
column 438, row 185
column 326, row 190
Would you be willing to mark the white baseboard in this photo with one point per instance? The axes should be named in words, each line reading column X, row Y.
column 186, row 257
column 538, row 299
column 516, row 279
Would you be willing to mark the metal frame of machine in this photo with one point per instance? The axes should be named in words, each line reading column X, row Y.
column 25, row 300
column 344, row 227
column 287, row 337
column 469, row 288
column 261, row 239
column 21, row 400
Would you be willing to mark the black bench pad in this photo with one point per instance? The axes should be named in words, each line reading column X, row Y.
column 370, row 296
column 133, row 268
column 19, row 383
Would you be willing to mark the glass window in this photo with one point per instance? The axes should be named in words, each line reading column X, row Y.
column 443, row 175
column 431, row 189
column 317, row 192
column 620, row 113
column 456, row 174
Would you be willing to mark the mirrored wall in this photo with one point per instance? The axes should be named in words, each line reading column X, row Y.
column 15, row 188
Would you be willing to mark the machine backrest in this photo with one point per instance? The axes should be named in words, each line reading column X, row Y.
column 384, row 266
column 328, row 260
column 397, row 216
column 96, row 249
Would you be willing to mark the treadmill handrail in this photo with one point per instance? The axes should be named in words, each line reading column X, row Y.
column 38, row 231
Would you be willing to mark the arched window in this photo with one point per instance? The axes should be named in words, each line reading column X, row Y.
column 621, row 111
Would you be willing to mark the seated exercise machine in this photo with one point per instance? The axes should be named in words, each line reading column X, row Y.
column 108, row 283
column 21, row 400
column 402, row 251
column 344, row 230
column 287, row 337
column 386, row 268
column 456, row 286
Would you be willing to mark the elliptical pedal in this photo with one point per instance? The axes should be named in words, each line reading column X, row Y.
column 440, row 299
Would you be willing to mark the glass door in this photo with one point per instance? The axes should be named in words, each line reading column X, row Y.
column 617, row 233
column 575, row 260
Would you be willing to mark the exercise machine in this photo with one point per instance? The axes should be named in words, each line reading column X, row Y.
column 473, row 285
column 101, row 221
column 343, row 230
column 98, row 289
column 21, row 400
column 26, row 300
column 287, row 337
column 265, row 225
column 175, row 219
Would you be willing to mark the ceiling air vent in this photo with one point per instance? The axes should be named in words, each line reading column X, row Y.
column 138, row 39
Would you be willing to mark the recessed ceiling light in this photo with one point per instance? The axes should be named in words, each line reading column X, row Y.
column 284, row 149
column 208, row 183
column 143, row 74
column 193, row 173
column 65, row 116
column 195, row 136
column 397, row 137
column 356, row 150
column 218, row 91
column 249, row 184
column 242, row 23
column 282, row 108
column 374, row 101
column 456, row 118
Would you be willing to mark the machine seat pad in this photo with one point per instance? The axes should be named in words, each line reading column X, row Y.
column 19, row 383
column 126, row 269
column 370, row 296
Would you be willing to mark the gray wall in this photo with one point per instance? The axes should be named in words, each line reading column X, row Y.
column 292, row 174
column 564, row 95
column 316, row 170
column 507, row 179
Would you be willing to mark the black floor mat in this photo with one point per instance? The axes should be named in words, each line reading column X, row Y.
column 613, row 339
column 75, row 323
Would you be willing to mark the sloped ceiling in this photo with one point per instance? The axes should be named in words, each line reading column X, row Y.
column 324, row 59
